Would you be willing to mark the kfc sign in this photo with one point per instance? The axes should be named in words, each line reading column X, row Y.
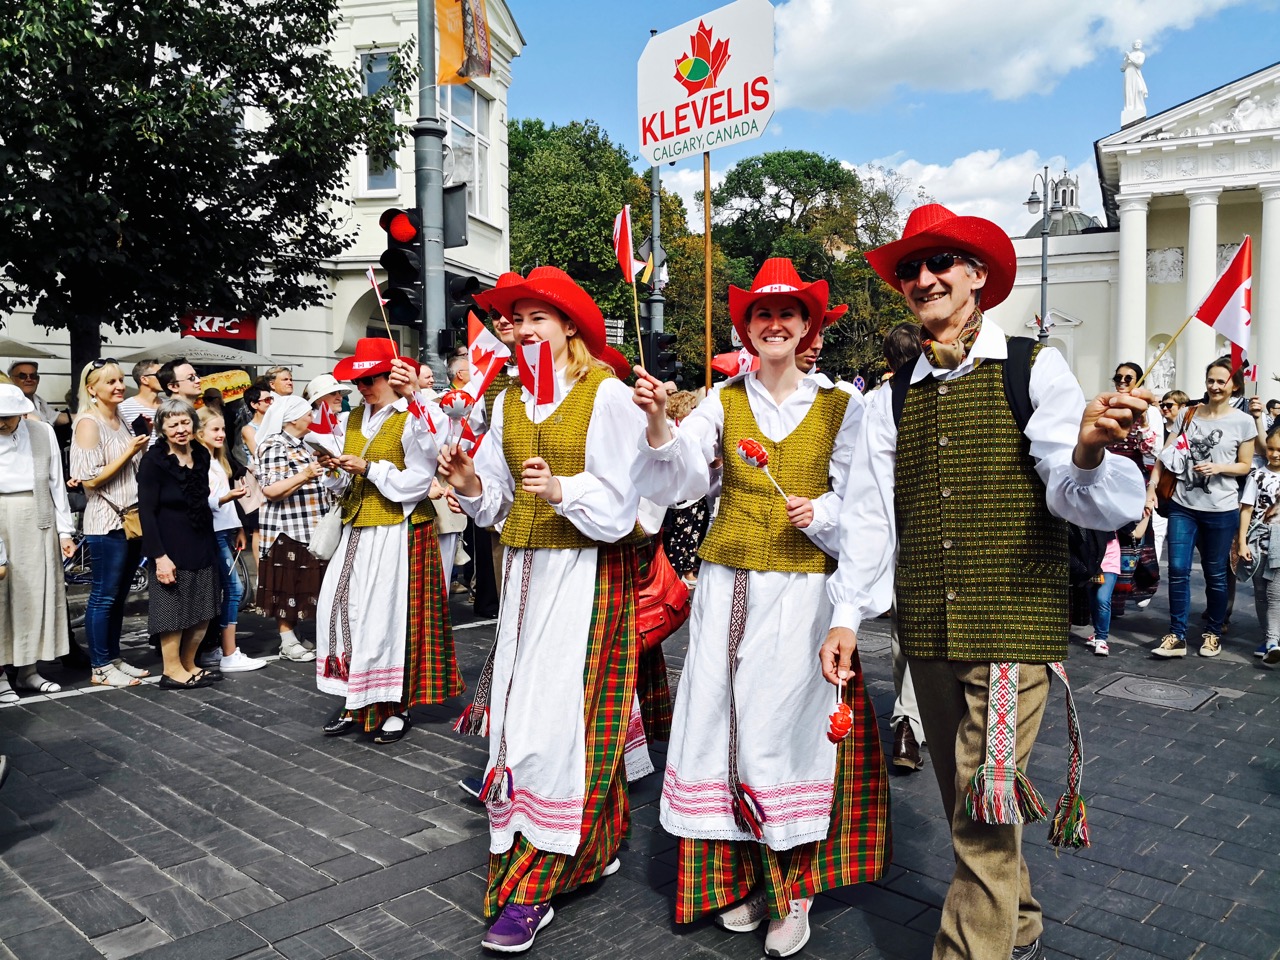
column 210, row 326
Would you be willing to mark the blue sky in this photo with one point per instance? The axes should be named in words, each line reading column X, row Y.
column 967, row 98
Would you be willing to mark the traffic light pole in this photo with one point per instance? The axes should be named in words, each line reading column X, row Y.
column 428, row 156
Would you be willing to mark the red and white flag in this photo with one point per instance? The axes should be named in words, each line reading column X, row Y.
column 623, row 248
column 538, row 371
column 486, row 354
column 1251, row 373
column 1229, row 306
column 374, row 281
column 1182, row 443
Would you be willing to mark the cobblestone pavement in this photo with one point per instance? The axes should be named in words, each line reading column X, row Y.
column 220, row 823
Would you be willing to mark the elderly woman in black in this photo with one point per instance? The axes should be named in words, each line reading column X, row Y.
column 177, row 534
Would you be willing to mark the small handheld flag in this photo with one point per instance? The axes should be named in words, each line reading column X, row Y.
column 486, row 355
column 538, row 372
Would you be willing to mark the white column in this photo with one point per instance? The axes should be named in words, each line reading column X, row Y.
column 1197, row 345
column 1129, row 334
column 1266, row 294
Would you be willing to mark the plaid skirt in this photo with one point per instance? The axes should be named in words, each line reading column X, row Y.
column 524, row 874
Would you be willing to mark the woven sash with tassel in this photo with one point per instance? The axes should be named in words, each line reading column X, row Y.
column 499, row 785
column 474, row 721
column 1000, row 793
column 337, row 663
column 747, row 813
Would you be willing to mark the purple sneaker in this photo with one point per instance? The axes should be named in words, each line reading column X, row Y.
column 516, row 926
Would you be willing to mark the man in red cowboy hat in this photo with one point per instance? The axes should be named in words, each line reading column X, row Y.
column 974, row 542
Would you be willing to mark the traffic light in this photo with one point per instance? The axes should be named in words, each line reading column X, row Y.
column 660, row 356
column 459, row 291
column 403, row 262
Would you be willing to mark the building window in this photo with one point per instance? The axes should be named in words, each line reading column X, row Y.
column 375, row 69
column 466, row 114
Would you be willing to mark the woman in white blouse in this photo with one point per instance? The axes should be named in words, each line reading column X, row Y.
column 35, row 520
column 104, row 458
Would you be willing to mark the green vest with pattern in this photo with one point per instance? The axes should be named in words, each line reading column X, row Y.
column 982, row 565
column 364, row 505
column 751, row 530
column 560, row 440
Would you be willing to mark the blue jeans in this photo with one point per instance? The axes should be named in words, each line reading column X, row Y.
column 1213, row 533
column 1102, row 605
column 232, row 585
column 113, row 558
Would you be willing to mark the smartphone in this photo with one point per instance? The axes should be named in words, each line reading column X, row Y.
column 141, row 426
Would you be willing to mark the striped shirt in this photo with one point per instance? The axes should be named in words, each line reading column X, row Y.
column 87, row 463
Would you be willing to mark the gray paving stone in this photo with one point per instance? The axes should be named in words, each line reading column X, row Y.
column 379, row 847
column 226, row 941
column 318, row 944
column 58, row 941
column 96, row 911
column 209, row 877
column 131, row 940
column 348, row 867
column 179, row 912
column 24, row 911
column 241, row 903
column 287, row 876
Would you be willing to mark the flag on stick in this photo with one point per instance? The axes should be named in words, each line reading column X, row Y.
column 1229, row 306
column 374, row 280
column 623, row 247
column 486, row 355
column 538, row 371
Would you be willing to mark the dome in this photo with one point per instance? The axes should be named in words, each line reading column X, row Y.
column 1073, row 222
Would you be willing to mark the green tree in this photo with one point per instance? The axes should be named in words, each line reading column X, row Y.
column 177, row 154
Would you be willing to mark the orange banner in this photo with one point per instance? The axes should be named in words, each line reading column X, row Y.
column 463, row 28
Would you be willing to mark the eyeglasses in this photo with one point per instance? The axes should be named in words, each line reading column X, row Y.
column 26, row 376
column 368, row 382
column 1127, row 378
column 1167, row 406
column 938, row 263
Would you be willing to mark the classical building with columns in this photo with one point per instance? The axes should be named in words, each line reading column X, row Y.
column 1181, row 189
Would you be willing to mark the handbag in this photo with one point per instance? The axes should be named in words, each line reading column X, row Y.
column 662, row 604
column 1167, row 485
column 327, row 533
column 130, row 519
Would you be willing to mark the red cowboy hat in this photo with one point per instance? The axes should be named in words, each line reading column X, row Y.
column 730, row 363
column 373, row 356
column 833, row 315
column 552, row 285
column 778, row 275
column 933, row 225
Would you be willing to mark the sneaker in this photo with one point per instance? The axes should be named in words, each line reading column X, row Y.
column 516, row 926
column 1143, row 604
column 1091, row 641
column 1212, row 645
column 240, row 662
column 296, row 651
column 471, row 785
column 746, row 915
column 129, row 670
column 209, row 659
column 1170, row 646
column 1100, row 649
column 1261, row 651
column 791, row 933
column 612, row 867
column 1272, row 656
column 1032, row 951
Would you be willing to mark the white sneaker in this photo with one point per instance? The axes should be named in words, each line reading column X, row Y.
column 1091, row 641
column 612, row 867
column 296, row 651
column 746, row 915
column 791, row 933
column 1100, row 648
column 239, row 662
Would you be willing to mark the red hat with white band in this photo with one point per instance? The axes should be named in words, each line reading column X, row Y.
column 373, row 356
column 778, row 276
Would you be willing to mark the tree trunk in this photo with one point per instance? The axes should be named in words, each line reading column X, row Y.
column 86, row 345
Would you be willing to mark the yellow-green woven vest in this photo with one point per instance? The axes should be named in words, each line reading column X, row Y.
column 982, row 564
column 560, row 440
column 751, row 530
column 364, row 505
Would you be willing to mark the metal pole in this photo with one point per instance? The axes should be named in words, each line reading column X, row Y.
column 1043, row 335
column 656, row 299
column 428, row 157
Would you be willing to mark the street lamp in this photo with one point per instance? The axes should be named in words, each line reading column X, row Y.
column 1052, row 214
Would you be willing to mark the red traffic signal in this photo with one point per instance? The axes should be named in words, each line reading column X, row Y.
column 403, row 226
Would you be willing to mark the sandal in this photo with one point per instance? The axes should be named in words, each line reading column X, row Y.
column 109, row 676
column 129, row 670
column 340, row 723
column 41, row 686
column 6, row 692
column 382, row 735
column 194, row 682
column 210, row 676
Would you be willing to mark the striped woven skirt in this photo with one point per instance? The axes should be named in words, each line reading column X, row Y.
column 430, row 665
column 523, row 873
column 713, row 874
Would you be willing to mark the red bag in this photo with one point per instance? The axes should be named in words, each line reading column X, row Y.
column 662, row 604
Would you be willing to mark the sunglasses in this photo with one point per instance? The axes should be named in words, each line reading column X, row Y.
column 937, row 264
column 367, row 382
column 1167, row 406
column 26, row 376
column 1127, row 378
column 102, row 362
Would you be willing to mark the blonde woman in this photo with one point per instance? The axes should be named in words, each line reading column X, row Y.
column 105, row 455
column 226, row 486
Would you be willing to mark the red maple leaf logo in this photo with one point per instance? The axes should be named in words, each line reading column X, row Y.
column 699, row 69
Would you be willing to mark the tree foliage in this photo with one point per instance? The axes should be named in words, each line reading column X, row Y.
column 177, row 154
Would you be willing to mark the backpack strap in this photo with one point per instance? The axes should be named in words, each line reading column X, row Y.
column 899, row 384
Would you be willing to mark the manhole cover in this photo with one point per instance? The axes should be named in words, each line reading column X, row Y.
column 1159, row 693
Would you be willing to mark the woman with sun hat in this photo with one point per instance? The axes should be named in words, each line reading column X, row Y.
column 557, row 691
column 767, row 810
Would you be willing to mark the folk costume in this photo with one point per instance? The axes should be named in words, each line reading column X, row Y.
column 383, row 637
column 964, row 513
column 556, row 693
column 757, row 794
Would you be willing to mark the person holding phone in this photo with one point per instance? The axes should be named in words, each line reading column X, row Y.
column 289, row 577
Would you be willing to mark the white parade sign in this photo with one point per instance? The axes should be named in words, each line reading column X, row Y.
column 707, row 83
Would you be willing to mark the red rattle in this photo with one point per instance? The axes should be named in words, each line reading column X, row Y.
column 841, row 718
column 456, row 405
column 754, row 454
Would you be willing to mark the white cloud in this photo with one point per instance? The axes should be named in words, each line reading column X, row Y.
column 855, row 53
column 685, row 182
column 986, row 183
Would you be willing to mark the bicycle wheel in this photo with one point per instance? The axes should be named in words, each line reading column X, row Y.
column 242, row 569
column 77, row 569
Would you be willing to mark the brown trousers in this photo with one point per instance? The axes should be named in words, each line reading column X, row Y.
column 989, row 907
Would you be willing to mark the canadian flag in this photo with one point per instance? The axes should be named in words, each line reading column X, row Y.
column 486, row 354
column 623, row 248
column 538, row 371
column 1182, row 443
column 1229, row 306
column 1251, row 373
column 374, row 281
